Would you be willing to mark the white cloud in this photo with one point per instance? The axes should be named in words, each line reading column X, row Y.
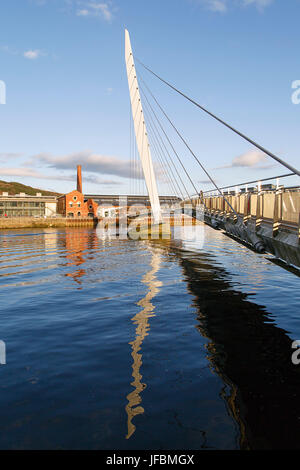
column 260, row 4
column 32, row 173
column 251, row 159
column 84, row 8
column 217, row 5
column 103, row 9
column 33, row 54
column 5, row 155
column 97, row 9
column 221, row 6
column 92, row 162
column 82, row 12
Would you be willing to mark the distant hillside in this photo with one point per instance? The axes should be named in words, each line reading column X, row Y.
column 16, row 188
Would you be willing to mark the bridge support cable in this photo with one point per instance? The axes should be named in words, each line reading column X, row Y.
column 133, row 160
column 157, row 153
column 164, row 149
column 162, row 156
column 260, row 147
column 162, row 153
column 135, row 163
column 170, row 143
column 172, row 183
column 130, row 153
column 168, row 180
column 171, row 187
column 190, row 150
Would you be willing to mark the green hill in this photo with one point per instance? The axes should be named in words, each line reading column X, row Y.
column 16, row 188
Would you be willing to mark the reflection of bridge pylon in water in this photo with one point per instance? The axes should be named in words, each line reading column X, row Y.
column 141, row 320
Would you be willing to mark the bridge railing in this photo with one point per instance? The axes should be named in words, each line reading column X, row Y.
column 279, row 207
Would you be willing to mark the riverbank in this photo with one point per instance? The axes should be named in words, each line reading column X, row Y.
column 30, row 222
column 59, row 222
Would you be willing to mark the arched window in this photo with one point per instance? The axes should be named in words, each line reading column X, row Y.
column 78, row 214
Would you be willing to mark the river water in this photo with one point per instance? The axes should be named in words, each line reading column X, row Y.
column 121, row 344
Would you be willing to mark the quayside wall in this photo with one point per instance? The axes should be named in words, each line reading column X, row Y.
column 32, row 222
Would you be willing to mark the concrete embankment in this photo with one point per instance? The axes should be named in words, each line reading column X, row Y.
column 30, row 222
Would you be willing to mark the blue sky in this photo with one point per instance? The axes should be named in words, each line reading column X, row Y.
column 67, row 99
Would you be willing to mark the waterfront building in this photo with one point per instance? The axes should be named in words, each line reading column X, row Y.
column 25, row 205
column 114, row 201
column 75, row 204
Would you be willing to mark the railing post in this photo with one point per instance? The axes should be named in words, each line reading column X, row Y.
column 259, row 208
column 247, row 207
column 277, row 217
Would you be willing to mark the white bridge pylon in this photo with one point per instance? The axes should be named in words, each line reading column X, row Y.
column 141, row 131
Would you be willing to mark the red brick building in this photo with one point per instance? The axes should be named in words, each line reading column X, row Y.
column 74, row 205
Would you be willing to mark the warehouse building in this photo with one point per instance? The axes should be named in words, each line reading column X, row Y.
column 24, row 205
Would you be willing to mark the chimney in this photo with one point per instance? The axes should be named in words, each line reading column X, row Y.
column 79, row 179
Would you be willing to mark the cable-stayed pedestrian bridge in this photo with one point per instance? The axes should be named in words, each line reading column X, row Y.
column 263, row 214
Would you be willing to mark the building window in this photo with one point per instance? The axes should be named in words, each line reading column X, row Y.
column 78, row 203
column 90, row 207
column 70, row 214
column 71, row 204
column 75, row 198
column 78, row 214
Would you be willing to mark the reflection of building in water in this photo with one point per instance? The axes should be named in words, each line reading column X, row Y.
column 50, row 240
column 78, row 247
column 75, row 245
column 141, row 320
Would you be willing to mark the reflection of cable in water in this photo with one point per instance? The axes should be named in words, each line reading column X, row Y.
column 133, row 407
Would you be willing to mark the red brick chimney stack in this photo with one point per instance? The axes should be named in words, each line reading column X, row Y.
column 79, row 179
